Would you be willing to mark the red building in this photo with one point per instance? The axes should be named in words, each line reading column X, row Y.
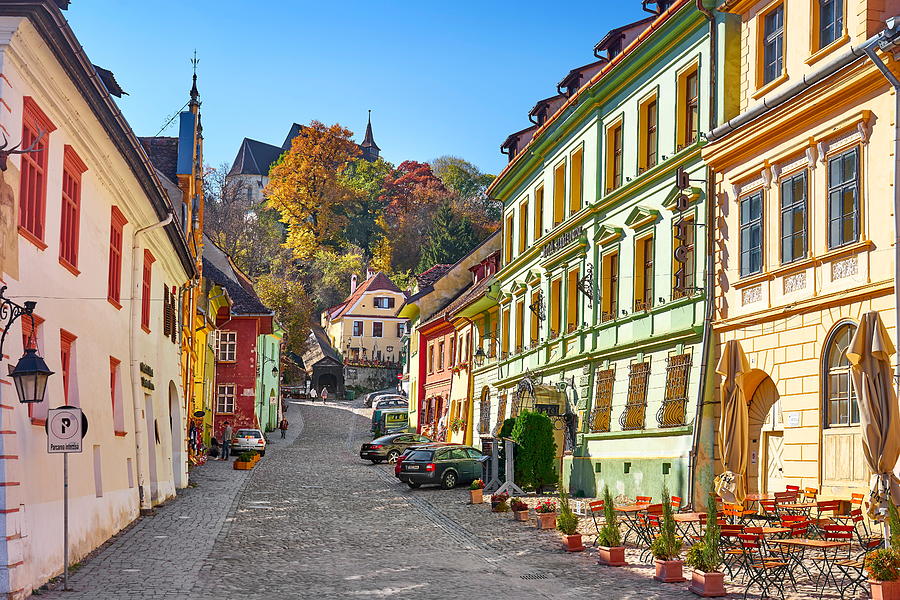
column 436, row 339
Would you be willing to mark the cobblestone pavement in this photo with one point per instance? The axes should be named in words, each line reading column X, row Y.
column 313, row 521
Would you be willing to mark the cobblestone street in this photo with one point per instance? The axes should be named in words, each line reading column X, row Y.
column 313, row 521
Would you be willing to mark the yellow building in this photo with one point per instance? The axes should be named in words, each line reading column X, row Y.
column 803, row 202
column 200, row 408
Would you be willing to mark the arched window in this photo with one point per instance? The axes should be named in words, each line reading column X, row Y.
column 484, row 414
column 840, row 397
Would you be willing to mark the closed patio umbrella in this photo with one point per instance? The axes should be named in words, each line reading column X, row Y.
column 869, row 355
column 734, row 424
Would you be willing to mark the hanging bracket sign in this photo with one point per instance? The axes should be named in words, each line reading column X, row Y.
column 66, row 427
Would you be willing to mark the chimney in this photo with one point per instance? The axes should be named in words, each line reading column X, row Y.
column 353, row 283
column 370, row 273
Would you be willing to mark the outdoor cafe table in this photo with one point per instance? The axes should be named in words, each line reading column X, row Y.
column 826, row 562
column 630, row 512
column 688, row 522
column 798, row 507
column 753, row 499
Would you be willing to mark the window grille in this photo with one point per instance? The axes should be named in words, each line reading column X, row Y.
column 673, row 411
column 600, row 415
column 501, row 414
column 636, row 407
column 484, row 416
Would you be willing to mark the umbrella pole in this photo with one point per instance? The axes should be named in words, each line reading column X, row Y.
column 885, row 530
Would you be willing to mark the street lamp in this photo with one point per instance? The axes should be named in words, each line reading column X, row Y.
column 31, row 372
column 479, row 357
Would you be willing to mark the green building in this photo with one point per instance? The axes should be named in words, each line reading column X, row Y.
column 268, row 378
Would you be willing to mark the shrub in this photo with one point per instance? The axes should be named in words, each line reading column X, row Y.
column 517, row 504
column 547, row 506
column 705, row 555
column 667, row 545
column 535, row 450
column 478, row 484
column 567, row 521
column 883, row 565
column 609, row 535
column 499, row 502
column 245, row 456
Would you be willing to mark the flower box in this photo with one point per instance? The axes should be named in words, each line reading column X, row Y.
column 611, row 556
column 476, row 496
column 708, row 585
column 546, row 520
column 669, row 571
column 520, row 515
column 243, row 466
column 572, row 543
column 885, row 590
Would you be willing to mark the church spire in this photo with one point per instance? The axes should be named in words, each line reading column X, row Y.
column 370, row 149
column 195, row 94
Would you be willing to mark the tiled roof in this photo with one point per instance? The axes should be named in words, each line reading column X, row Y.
column 255, row 158
column 218, row 268
column 318, row 347
column 432, row 275
column 163, row 153
column 379, row 281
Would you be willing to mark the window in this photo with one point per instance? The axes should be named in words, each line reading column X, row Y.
column 509, row 239
column 843, row 198
column 170, row 313
column 431, row 358
column 610, row 295
column 636, row 405
column 145, row 290
column 555, row 307
column 225, row 398
column 67, row 364
column 377, row 329
column 559, row 193
column 357, row 328
column 538, row 213
column 520, row 325
column 504, row 337
column 831, row 21
column 114, row 283
column 384, row 302
column 841, row 407
column 600, row 415
column 441, row 355
column 115, row 392
column 452, row 350
column 649, row 139
column 793, row 218
column 751, row 234
column 576, row 185
column 614, row 156
column 684, row 279
column 673, row 411
column 523, row 226
column 572, row 301
column 400, row 330
column 71, row 209
column 773, row 44
column 688, row 125
column 484, row 413
column 33, row 177
column 227, row 346
column 535, row 322
column 643, row 274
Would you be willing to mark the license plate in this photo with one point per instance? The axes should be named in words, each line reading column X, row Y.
column 412, row 467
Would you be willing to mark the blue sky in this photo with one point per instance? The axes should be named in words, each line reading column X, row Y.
column 440, row 78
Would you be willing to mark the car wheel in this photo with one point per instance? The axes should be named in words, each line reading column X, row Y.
column 377, row 461
column 414, row 484
column 393, row 455
column 263, row 453
column 449, row 480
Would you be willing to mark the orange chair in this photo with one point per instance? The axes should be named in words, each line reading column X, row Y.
column 643, row 500
column 809, row 495
column 676, row 503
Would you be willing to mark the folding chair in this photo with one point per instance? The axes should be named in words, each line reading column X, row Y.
column 765, row 571
column 676, row 503
column 647, row 528
column 863, row 535
column 736, row 513
column 792, row 488
column 834, row 533
column 768, row 511
column 853, row 569
column 809, row 495
column 596, row 510
column 732, row 553
column 643, row 500
column 831, row 507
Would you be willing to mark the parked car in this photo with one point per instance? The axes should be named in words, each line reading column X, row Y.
column 398, row 465
column 376, row 416
column 447, row 467
column 390, row 447
column 391, row 402
column 248, row 440
column 372, row 397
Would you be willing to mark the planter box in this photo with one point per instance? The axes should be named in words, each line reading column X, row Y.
column 242, row 466
column 885, row 590
column 520, row 515
column 708, row 585
column 546, row 520
column 572, row 543
column 476, row 496
column 612, row 556
column 669, row 571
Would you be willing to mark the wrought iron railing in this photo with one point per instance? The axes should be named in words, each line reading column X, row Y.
column 636, row 406
column 673, row 411
column 602, row 411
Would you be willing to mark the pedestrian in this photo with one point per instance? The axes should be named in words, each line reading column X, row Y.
column 283, row 426
column 313, row 395
column 214, row 448
column 226, row 441
column 324, row 395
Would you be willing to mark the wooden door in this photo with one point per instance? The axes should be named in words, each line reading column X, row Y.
column 774, row 462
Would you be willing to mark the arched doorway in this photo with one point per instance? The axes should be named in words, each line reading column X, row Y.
column 327, row 380
column 178, row 433
column 765, row 467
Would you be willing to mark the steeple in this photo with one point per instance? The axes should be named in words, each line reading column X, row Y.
column 370, row 149
column 195, row 94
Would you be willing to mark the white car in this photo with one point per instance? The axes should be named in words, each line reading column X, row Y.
column 248, row 440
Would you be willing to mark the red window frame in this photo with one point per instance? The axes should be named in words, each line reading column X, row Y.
column 33, row 173
column 70, row 214
column 145, row 290
column 113, row 377
column 117, row 224
column 66, row 340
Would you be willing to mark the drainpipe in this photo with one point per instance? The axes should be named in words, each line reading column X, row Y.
column 137, row 391
column 710, row 260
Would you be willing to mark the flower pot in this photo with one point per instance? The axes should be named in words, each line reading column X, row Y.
column 885, row 590
column 612, row 556
column 669, row 571
column 476, row 496
column 496, row 507
column 572, row 543
column 546, row 520
column 708, row 585
column 242, row 466
column 520, row 515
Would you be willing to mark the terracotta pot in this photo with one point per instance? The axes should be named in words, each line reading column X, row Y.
column 885, row 590
column 669, row 571
column 242, row 466
column 546, row 520
column 520, row 515
column 612, row 556
column 708, row 585
column 572, row 543
column 476, row 496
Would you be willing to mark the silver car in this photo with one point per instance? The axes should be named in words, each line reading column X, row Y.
column 248, row 440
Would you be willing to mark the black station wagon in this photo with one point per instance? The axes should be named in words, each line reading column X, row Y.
column 446, row 467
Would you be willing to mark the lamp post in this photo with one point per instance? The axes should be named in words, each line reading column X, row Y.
column 31, row 372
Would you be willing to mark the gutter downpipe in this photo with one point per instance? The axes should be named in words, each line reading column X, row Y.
column 137, row 391
column 710, row 259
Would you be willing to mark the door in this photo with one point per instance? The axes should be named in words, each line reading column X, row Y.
column 774, row 462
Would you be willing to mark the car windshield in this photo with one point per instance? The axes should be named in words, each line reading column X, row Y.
column 420, row 455
column 249, row 433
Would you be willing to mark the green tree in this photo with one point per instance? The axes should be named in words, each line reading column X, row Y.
column 293, row 310
column 450, row 238
column 535, row 450
column 332, row 272
column 364, row 227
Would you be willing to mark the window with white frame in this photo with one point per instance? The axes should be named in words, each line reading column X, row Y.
column 225, row 398
column 227, row 346
column 377, row 329
column 384, row 302
column 357, row 328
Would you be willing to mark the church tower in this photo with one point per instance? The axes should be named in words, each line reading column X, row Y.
column 370, row 149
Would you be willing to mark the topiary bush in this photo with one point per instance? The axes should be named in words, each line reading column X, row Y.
column 667, row 545
column 566, row 521
column 535, row 453
column 609, row 535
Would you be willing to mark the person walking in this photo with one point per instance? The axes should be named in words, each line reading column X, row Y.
column 324, row 395
column 313, row 395
column 283, row 426
column 227, row 433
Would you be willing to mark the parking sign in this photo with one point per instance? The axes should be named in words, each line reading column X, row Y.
column 65, row 429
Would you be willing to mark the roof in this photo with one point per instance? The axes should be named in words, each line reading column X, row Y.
column 612, row 34
column 294, row 131
column 379, row 281
column 369, row 140
column 432, row 275
column 217, row 267
column 444, row 311
column 109, row 82
column 255, row 158
column 163, row 153
column 574, row 77
column 319, row 348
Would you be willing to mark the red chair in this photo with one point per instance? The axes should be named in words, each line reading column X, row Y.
column 596, row 510
column 676, row 503
column 643, row 500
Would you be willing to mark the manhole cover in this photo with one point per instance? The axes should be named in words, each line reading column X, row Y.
column 534, row 576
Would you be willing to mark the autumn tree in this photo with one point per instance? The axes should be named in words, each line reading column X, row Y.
column 364, row 226
column 469, row 187
column 292, row 307
column 308, row 188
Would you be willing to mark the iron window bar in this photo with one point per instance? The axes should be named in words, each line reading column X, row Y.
column 636, row 406
column 602, row 411
column 673, row 411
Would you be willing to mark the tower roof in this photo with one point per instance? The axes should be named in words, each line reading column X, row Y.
column 369, row 140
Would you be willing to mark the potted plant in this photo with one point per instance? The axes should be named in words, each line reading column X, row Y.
column 704, row 557
column 883, row 565
column 666, row 548
column 499, row 502
column 519, row 509
column 244, row 461
column 476, row 492
column 567, row 523
column 546, row 514
column 609, row 540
